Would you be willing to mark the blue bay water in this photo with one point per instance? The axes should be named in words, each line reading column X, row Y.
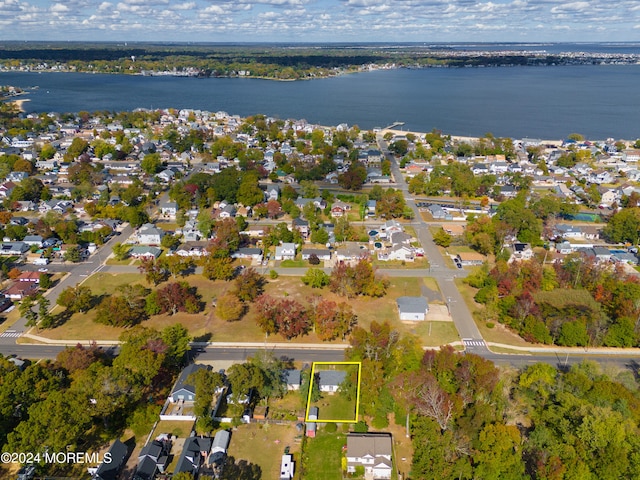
column 598, row 101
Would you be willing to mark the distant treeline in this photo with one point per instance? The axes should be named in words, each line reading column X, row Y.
column 267, row 61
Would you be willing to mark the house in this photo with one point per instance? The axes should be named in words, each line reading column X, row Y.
column 193, row 453
column 412, row 308
column 183, row 390
column 329, row 380
column 118, row 453
column 228, row 211
column 371, row 207
column 292, row 379
column 522, row 251
column 287, row 467
column 371, row 451
column 166, row 175
column 146, row 252
column 323, row 254
column 470, row 258
column 564, row 248
column 149, row 234
column 301, row 225
column 33, row 240
column 169, row 209
column 153, row 459
column 13, row 248
column 219, row 447
column 564, row 230
column 272, row 193
column 351, row 252
column 30, row 277
column 338, row 211
column 602, row 254
column 400, row 252
column 192, row 249
column 437, row 212
column 250, row 253
column 6, row 189
column 286, row 251
column 312, row 425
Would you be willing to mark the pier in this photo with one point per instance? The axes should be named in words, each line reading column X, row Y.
column 394, row 125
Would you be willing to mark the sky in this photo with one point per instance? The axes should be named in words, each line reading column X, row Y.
column 321, row 20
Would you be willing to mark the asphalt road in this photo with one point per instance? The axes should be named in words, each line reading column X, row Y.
column 301, row 354
column 77, row 272
column 440, row 270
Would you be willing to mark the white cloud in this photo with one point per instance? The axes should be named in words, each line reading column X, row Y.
column 59, row 8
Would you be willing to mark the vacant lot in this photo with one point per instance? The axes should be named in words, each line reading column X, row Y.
column 206, row 326
column 264, row 445
column 323, row 456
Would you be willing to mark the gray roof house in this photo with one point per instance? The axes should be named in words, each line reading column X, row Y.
column 292, row 379
column 412, row 308
column 286, row 251
column 194, row 451
column 184, row 390
column 221, row 441
column 371, row 451
column 329, row 380
column 149, row 234
column 111, row 470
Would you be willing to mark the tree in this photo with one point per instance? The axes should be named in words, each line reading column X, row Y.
column 178, row 297
column 274, row 209
column 176, row 265
column 229, row 308
column 153, row 270
column 442, row 238
column 151, row 163
column 320, row 236
column 116, row 311
column 217, row 268
column 72, row 254
column 249, row 192
column 76, row 299
column 333, row 320
column 315, row 278
column 176, row 337
column 249, row 285
column 285, row 316
column 623, row 226
column 121, row 251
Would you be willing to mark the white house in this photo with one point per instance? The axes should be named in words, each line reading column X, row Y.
column 412, row 308
column 371, row 451
column 169, row 209
column 286, row 251
column 329, row 380
column 149, row 234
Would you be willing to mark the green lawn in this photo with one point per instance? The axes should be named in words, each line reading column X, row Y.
column 264, row 445
column 294, row 263
column 322, row 456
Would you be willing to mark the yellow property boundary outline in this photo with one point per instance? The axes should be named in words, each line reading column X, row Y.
column 312, row 379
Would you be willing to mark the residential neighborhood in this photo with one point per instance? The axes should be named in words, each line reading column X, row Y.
column 166, row 233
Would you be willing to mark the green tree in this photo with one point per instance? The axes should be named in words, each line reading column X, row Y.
column 76, row 299
column 315, row 278
column 151, row 163
column 229, row 308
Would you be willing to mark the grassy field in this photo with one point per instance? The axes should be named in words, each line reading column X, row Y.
column 264, row 445
column 205, row 326
column 435, row 334
column 322, row 456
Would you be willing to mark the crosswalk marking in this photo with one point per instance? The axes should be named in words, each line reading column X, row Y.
column 10, row 334
column 469, row 342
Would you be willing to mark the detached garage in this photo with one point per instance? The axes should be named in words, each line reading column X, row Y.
column 412, row 309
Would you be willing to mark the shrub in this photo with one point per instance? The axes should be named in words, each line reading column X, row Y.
column 273, row 274
column 331, row 428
